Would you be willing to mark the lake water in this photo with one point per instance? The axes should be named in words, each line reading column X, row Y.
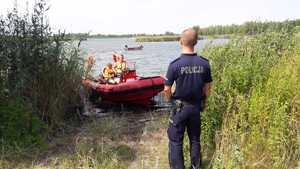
column 151, row 61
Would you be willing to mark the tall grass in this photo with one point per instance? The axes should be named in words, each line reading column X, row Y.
column 38, row 68
column 253, row 117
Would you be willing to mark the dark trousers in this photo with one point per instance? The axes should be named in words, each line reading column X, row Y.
column 188, row 118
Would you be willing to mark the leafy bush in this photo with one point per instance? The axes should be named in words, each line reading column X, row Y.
column 38, row 67
column 36, row 64
column 19, row 126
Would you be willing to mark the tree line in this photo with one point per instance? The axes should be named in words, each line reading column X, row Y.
column 249, row 28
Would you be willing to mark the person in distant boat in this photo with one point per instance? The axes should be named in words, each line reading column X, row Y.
column 89, row 63
column 108, row 73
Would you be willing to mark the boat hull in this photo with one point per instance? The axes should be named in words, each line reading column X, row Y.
column 139, row 91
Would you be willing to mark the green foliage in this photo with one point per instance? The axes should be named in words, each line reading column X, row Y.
column 253, row 111
column 238, row 67
column 297, row 29
column 274, row 109
column 38, row 67
column 76, row 36
column 19, row 126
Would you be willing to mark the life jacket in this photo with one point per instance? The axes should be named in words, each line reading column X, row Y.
column 120, row 66
column 108, row 72
column 124, row 65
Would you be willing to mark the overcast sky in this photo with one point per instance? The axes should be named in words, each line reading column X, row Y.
column 158, row 16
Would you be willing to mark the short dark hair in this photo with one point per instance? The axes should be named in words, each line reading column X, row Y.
column 189, row 37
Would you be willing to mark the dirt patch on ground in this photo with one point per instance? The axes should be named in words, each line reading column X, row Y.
column 151, row 151
column 134, row 140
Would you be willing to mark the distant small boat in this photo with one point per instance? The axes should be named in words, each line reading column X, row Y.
column 134, row 48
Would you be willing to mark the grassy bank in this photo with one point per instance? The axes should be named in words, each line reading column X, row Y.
column 130, row 141
column 253, row 117
column 165, row 38
column 157, row 38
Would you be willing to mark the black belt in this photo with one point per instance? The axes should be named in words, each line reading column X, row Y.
column 177, row 107
column 179, row 104
column 183, row 102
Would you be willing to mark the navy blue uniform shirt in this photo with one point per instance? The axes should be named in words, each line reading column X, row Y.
column 190, row 72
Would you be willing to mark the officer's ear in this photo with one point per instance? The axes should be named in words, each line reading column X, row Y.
column 195, row 43
column 180, row 41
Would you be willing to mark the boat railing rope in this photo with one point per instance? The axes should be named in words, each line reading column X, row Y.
column 131, row 65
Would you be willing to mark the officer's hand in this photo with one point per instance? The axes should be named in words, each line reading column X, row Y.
column 168, row 94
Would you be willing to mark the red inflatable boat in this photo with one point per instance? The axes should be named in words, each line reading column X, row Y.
column 132, row 89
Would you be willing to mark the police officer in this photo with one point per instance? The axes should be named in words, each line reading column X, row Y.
column 192, row 76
